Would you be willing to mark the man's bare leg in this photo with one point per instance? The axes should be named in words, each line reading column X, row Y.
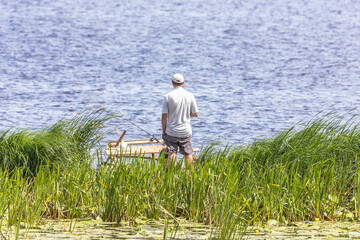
column 172, row 159
column 189, row 161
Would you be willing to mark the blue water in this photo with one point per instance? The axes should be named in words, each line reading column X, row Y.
column 256, row 67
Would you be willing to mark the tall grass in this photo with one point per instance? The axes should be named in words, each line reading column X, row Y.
column 57, row 145
column 305, row 174
column 309, row 171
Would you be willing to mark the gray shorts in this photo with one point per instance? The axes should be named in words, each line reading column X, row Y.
column 173, row 143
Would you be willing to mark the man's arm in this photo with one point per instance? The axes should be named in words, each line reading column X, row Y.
column 194, row 112
column 163, row 122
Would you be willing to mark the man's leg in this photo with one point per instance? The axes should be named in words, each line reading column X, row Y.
column 172, row 148
column 189, row 161
column 187, row 150
column 172, row 159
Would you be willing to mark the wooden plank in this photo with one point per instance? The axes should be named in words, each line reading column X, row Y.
column 118, row 153
column 148, row 147
column 130, row 153
column 139, row 150
column 137, row 146
column 196, row 149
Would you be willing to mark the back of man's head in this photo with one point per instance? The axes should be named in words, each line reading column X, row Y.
column 178, row 79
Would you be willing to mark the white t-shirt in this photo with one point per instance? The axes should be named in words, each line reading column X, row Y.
column 178, row 104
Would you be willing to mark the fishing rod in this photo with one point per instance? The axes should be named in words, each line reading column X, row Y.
column 152, row 138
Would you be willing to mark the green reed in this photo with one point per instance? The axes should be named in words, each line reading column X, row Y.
column 309, row 171
column 57, row 145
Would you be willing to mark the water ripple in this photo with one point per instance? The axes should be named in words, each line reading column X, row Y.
column 256, row 67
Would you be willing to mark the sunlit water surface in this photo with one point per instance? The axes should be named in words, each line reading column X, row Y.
column 255, row 67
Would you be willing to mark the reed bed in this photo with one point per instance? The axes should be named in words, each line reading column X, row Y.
column 57, row 145
column 309, row 171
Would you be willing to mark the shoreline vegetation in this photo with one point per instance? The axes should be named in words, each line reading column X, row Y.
column 309, row 172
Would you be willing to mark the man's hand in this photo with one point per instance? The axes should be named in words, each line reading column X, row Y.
column 194, row 114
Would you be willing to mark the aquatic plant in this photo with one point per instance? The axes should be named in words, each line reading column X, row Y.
column 66, row 141
column 305, row 174
column 309, row 171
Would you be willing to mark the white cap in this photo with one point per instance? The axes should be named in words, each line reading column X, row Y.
column 178, row 78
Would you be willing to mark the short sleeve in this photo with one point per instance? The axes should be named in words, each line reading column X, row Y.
column 194, row 108
column 165, row 109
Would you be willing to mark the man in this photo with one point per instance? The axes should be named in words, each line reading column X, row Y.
column 178, row 106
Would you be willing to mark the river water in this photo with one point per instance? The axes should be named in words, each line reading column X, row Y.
column 256, row 67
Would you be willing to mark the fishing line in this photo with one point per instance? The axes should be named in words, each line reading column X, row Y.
column 152, row 136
